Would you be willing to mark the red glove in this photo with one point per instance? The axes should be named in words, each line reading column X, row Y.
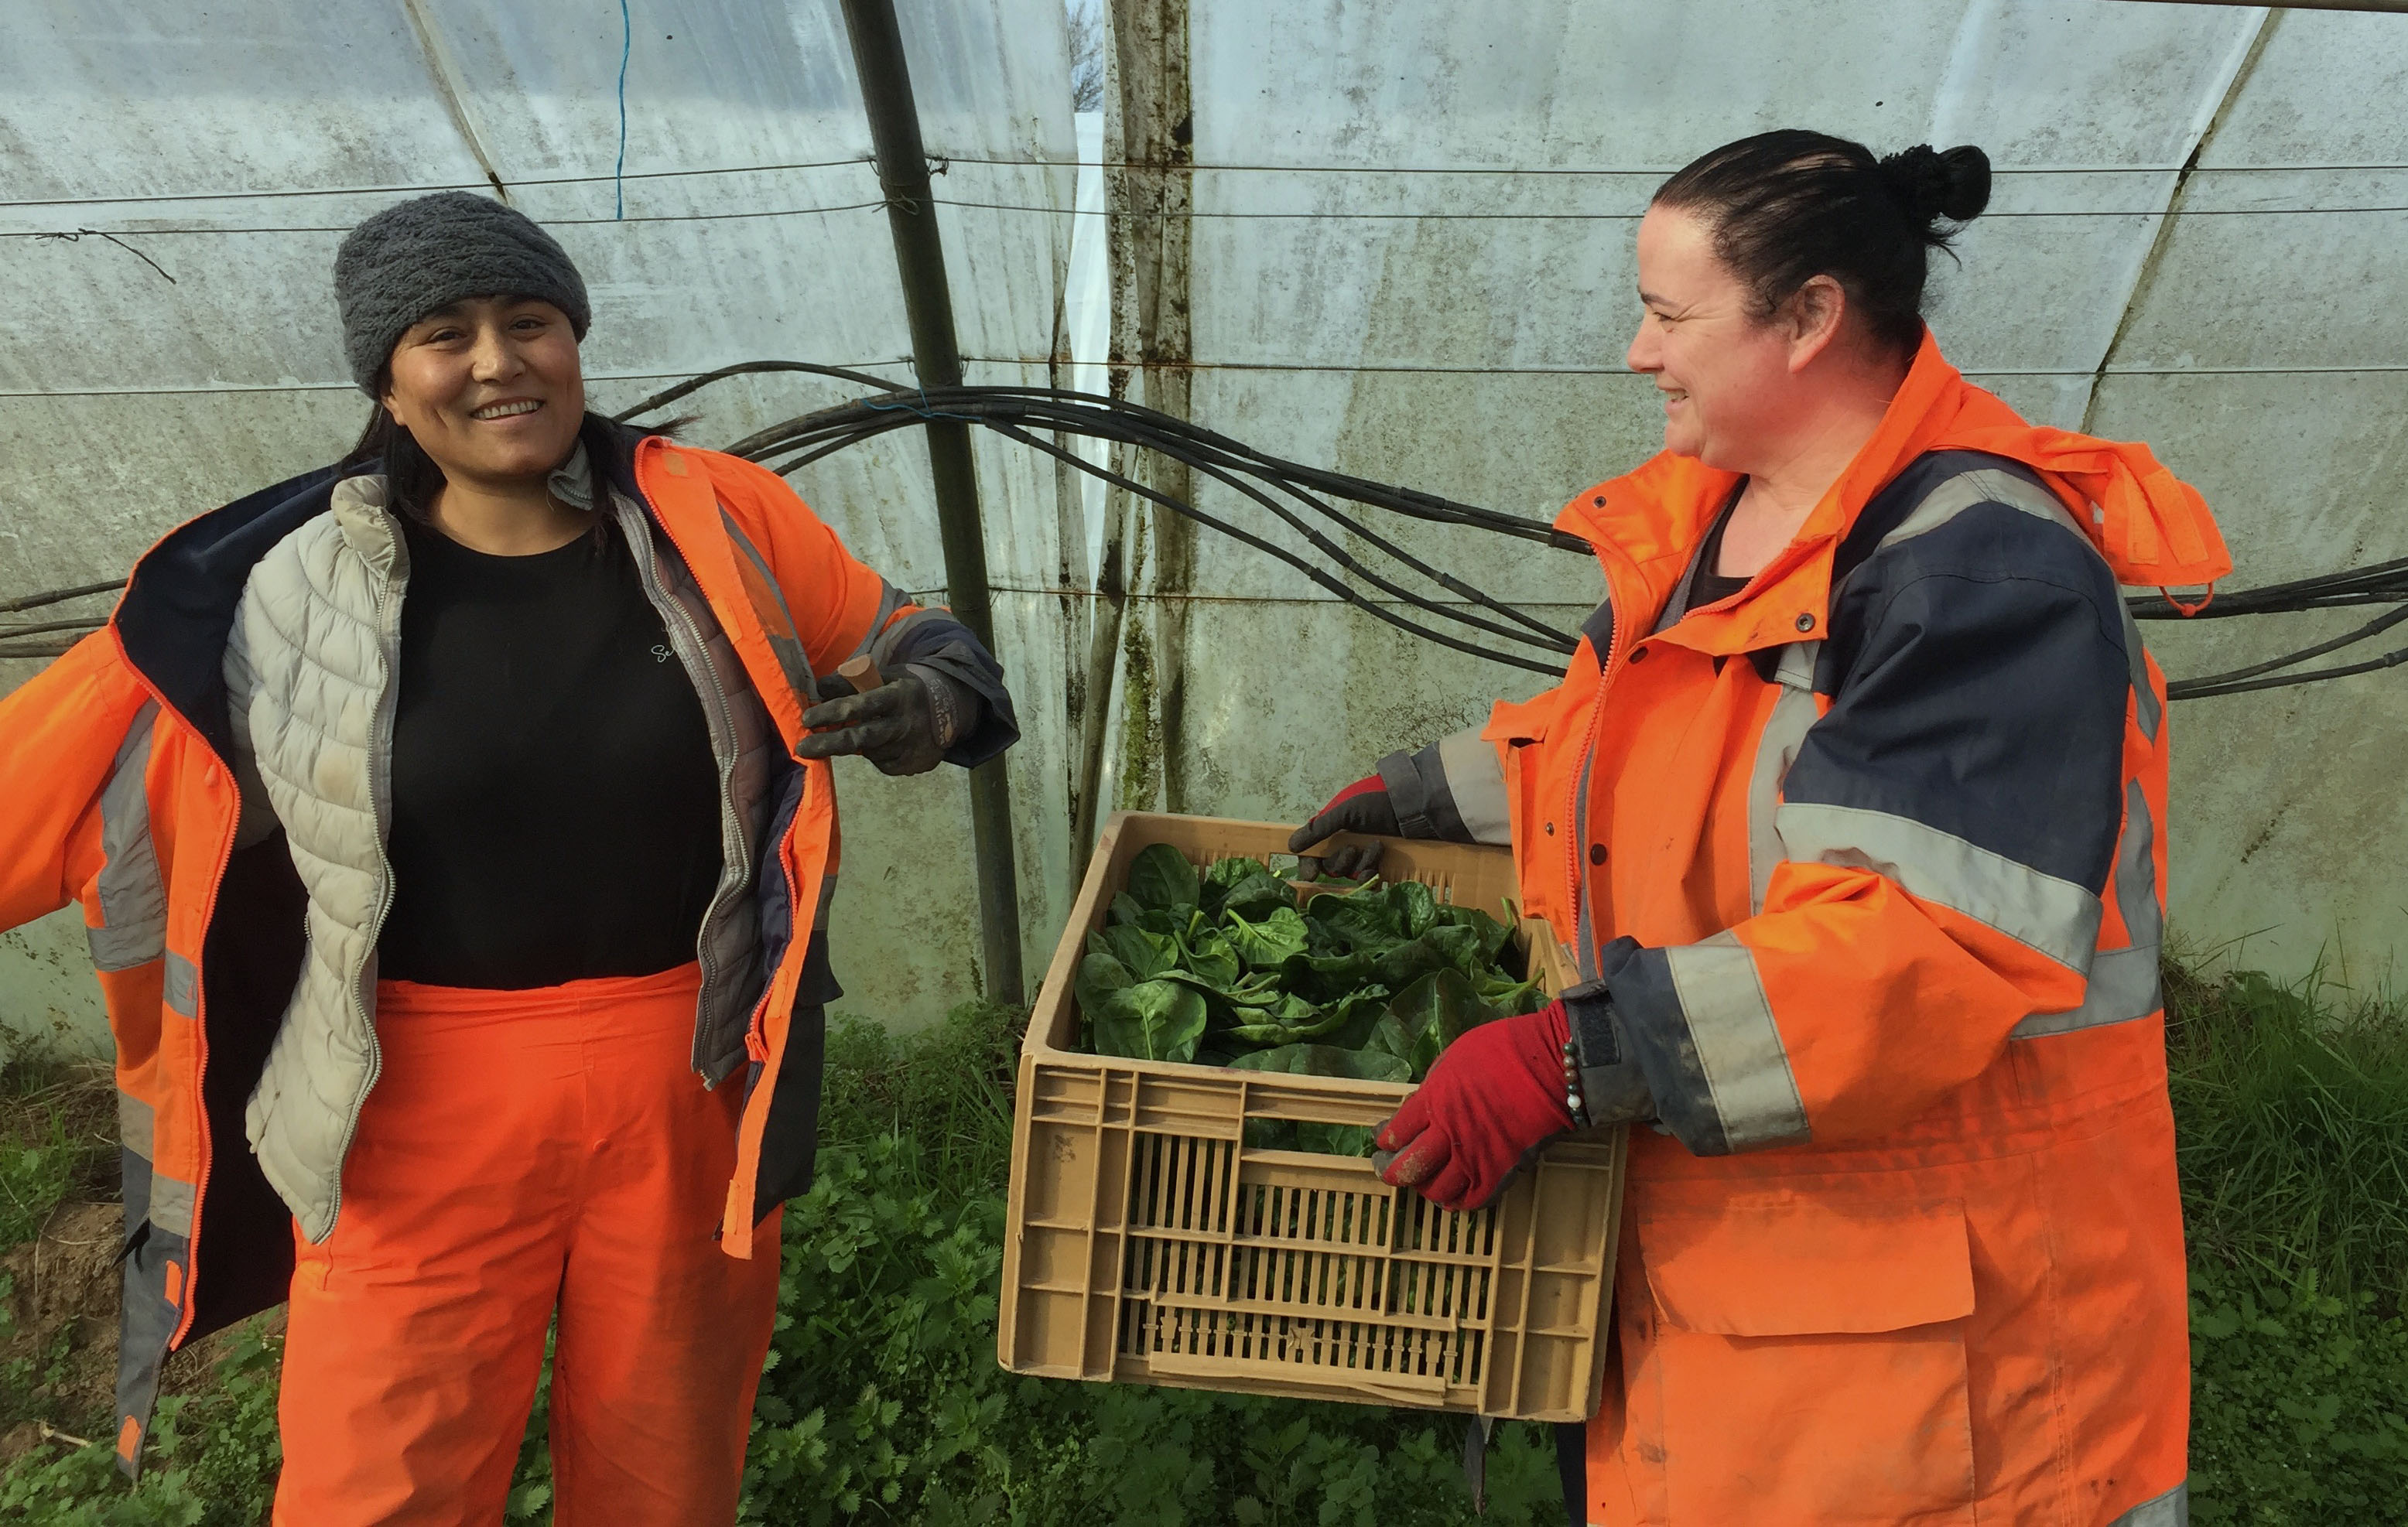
column 1495, row 1095
column 1362, row 807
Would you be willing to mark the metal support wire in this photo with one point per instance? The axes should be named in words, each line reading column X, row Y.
column 902, row 161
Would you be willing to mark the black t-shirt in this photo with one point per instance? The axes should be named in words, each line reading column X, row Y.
column 555, row 810
column 1710, row 586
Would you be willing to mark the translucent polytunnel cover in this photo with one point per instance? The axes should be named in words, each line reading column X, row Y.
column 1403, row 251
column 187, row 350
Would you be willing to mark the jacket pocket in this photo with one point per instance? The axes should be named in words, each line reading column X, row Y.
column 1812, row 1358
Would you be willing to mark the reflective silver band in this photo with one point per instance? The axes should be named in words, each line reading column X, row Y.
column 171, row 1205
column 132, row 895
column 1739, row 1046
column 183, row 986
column 1476, row 780
column 890, row 599
column 134, row 1124
column 1794, row 714
column 2057, row 918
column 2171, row 1509
column 2124, row 982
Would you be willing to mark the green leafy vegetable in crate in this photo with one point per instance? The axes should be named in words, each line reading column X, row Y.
column 1227, row 968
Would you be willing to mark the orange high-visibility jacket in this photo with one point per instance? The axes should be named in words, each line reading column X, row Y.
column 116, row 791
column 1870, row 855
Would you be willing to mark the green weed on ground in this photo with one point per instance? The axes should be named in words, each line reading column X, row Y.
column 58, row 1136
column 883, row 1404
column 2291, row 1127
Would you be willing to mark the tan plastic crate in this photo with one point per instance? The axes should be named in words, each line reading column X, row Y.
column 1149, row 1243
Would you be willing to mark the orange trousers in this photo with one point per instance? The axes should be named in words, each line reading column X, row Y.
column 527, row 1154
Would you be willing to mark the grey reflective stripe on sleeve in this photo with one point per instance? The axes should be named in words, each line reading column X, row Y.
column 882, row 642
column 1776, row 748
column 1476, row 780
column 134, row 1124
column 132, row 893
column 2171, row 1509
column 171, row 1203
column 786, row 646
column 1738, row 1045
column 890, row 599
column 2124, row 982
column 1964, row 491
column 2150, row 710
column 2057, row 918
column 184, row 986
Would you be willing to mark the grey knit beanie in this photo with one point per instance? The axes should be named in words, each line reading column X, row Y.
column 417, row 256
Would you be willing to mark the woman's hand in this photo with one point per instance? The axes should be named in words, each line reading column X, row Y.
column 900, row 726
column 1362, row 807
column 1494, row 1096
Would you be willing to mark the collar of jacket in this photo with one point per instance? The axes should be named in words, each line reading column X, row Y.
column 2152, row 527
column 179, row 606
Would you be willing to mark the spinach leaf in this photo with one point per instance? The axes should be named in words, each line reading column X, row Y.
column 1152, row 1020
column 1359, row 921
column 1270, row 943
column 1327, row 977
column 1494, row 936
column 1144, row 955
column 1161, row 877
column 1099, row 976
column 1427, row 1017
column 1415, row 907
column 1324, row 1061
column 1209, row 955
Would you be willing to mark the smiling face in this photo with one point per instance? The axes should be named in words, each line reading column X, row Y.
column 490, row 388
column 1728, row 378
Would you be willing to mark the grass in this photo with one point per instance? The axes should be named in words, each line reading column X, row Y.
column 884, row 1402
column 58, row 1138
column 2292, row 1122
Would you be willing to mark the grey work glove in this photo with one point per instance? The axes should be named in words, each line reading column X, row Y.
column 903, row 726
column 1362, row 807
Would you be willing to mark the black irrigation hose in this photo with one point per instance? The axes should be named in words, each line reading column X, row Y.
column 1006, row 409
column 1014, row 411
column 1327, row 581
column 2219, row 683
column 48, row 627
column 57, row 596
column 2193, row 690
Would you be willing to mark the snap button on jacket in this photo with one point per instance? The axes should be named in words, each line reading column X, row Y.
column 1881, row 905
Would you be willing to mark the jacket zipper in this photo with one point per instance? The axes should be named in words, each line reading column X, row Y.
column 695, row 653
column 380, row 803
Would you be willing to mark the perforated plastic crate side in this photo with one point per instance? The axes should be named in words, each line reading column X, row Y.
column 1147, row 1243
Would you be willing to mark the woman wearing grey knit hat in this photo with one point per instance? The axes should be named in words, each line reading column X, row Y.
column 503, row 967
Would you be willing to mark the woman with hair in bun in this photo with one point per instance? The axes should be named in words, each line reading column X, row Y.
column 1851, row 807
column 455, row 830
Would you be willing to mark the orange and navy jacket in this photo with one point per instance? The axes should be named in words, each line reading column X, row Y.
column 1870, row 858
column 116, row 793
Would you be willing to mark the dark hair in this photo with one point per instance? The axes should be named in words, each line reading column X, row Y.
column 1790, row 205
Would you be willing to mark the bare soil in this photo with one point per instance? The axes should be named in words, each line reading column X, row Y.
column 59, row 1292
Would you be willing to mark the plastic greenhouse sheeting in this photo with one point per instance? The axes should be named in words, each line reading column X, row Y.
column 1409, row 259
